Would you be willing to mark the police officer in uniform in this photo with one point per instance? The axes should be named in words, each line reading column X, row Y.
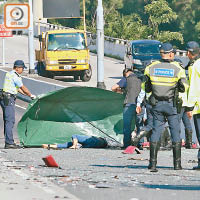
column 165, row 79
column 12, row 85
column 194, row 89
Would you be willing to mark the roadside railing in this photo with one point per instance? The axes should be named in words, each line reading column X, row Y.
column 113, row 47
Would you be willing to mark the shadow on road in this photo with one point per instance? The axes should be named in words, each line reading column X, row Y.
column 130, row 166
column 65, row 78
column 116, row 77
column 172, row 187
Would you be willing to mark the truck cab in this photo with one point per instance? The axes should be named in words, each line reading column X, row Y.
column 64, row 52
column 140, row 53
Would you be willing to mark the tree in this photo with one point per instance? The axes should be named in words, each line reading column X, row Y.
column 125, row 27
column 197, row 31
column 160, row 13
column 111, row 7
column 188, row 18
column 166, row 36
column 164, row 20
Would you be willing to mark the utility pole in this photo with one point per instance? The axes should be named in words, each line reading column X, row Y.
column 100, row 46
column 31, row 50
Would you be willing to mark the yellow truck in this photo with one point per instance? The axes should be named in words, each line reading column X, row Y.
column 64, row 53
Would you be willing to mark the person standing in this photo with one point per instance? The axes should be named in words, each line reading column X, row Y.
column 194, row 89
column 183, row 115
column 165, row 79
column 188, row 128
column 12, row 85
column 130, row 84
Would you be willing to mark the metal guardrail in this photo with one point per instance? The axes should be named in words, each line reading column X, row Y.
column 52, row 26
column 181, row 52
column 55, row 26
column 118, row 41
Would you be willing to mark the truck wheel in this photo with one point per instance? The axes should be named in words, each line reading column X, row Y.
column 86, row 74
column 76, row 77
column 49, row 74
column 41, row 69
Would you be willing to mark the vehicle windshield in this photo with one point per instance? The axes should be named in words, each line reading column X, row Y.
column 146, row 49
column 66, row 41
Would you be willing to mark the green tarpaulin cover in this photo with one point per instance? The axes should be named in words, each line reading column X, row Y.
column 56, row 116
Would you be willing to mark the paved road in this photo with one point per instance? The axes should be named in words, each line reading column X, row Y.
column 17, row 48
column 93, row 174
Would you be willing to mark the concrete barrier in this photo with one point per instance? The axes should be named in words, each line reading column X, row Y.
column 110, row 48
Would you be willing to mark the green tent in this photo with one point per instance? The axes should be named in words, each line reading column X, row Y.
column 55, row 117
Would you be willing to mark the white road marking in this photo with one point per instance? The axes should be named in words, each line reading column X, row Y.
column 42, row 183
column 37, row 80
column 20, row 106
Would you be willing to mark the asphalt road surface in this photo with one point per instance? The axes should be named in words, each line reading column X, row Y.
column 17, row 48
column 96, row 174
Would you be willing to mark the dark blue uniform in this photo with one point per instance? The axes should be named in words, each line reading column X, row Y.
column 12, row 83
column 165, row 78
column 9, row 119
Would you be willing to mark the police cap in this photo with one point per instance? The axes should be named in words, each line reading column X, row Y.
column 192, row 46
column 166, row 48
column 19, row 63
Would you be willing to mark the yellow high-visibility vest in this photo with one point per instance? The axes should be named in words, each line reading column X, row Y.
column 164, row 77
column 9, row 82
column 194, row 88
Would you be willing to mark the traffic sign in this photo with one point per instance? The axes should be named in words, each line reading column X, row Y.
column 17, row 16
column 5, row 32
column 61, row 8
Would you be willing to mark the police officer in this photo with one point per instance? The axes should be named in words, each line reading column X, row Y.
column 186, row 121
column 12, row 85
column 194, row 89
column 165, row 78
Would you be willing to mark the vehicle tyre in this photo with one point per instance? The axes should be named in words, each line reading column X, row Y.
column 49, row 74
column 41, row 69
column 86, row 74
column 76, row 77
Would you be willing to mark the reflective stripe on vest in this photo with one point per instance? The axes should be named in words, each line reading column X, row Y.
column 9, row 85
column 194, row 89
column 164, row 77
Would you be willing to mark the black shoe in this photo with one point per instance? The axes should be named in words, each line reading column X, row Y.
column 12, row 146
column 198, row 166
column 188, row 146
column 140, row 147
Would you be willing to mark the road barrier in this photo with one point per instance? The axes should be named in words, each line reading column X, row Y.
column 113, row 47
